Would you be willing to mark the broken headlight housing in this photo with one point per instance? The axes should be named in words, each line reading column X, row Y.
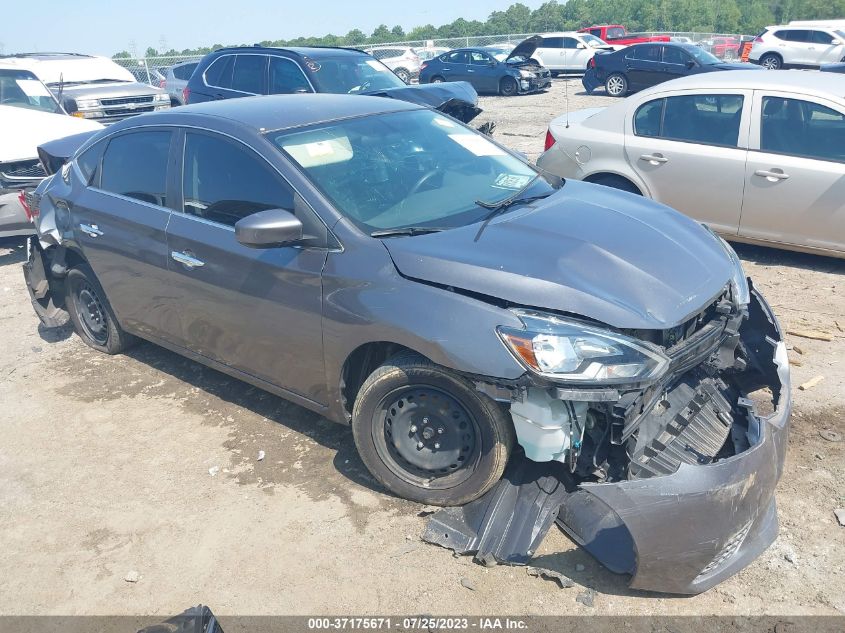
column 739, row 281
column 571, row 351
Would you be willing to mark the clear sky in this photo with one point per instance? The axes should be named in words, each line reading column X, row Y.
column 107, row 26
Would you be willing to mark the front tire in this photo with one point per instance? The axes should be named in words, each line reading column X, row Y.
column 616, row 85
column 508, row 87
column 771, row 61
column 426, row 434
column 91, row 314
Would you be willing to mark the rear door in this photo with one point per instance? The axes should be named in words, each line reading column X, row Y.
column 240, row 75
column 644, row 68
column 690, row 151
column 795, row 177
column 799, row 49
column 119, row 221
column 455, row 66
column 550, row 53
column 256, row 310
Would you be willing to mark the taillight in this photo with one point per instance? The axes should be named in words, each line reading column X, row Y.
column 591, row 63
column 162, row 83
column 186, row 94
column 30, row 203
column 550, row 140
column 423, row 65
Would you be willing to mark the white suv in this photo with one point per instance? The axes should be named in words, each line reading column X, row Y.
column 402, row 60
column 568, row 52
column 797, row 46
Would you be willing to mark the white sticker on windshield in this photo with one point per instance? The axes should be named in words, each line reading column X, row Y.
column 377, row 65
column 322, row 152
column 477, row 144
column 511, row 181
column 32, row 88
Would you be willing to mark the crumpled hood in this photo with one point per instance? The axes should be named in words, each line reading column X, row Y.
column 23, row 130
column 455, row 98
column 588, row 250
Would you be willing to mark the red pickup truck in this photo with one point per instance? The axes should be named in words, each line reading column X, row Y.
column 617, row 35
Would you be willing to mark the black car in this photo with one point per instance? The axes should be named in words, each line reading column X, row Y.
column 243, row 71
column 507, row 75
column 644, row 65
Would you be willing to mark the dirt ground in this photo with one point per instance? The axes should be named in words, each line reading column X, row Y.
column 105, row 470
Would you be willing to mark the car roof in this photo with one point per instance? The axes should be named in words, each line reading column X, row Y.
column 312, row 52
column 564, row 33
column 274, row 112
column 50, row 56
column 809, row 82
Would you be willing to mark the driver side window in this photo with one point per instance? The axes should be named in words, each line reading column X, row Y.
column 224, row 182
column 286, row 77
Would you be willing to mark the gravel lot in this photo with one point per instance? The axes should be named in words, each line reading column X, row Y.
column 104, row 470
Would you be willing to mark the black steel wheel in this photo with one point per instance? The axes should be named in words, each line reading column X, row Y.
column 508, row 87
column 428, row 435
column 91, row 313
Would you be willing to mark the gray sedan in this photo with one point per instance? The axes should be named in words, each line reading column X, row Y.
column 758, row 157
column 394, row 270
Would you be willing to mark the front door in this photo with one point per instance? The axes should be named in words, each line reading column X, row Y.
column 689, row 150
column 119, row 220
column 482, row 68
column 795, row 177
column 256, row 310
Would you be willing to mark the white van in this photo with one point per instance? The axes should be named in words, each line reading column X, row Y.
column 568, row 52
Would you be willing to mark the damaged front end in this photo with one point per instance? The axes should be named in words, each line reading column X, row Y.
column 671, row 480
column 457, row 99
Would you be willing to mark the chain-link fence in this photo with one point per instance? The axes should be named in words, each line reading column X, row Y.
column 152, row 70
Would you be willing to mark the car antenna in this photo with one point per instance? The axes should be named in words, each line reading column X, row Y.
column 566, row 100
column 61, row 87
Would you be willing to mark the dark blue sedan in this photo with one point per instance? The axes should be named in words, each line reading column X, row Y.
column 516, row 73
column 644, row 65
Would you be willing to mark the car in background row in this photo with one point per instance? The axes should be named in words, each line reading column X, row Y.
column 617, row 35
column 390, row 269
column 242, row 71
column 723, row 47
column 517, row 74
column 91, row 87
column 177, row 79
column 29, row 117
column 758, row 157
column 644, row 65
column 430, row 52
column 797, row 47
column 402, row 60
column 568, row 52
column 149, row 76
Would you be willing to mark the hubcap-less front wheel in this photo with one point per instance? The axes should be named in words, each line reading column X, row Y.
column 91, row 313
column 427, row 437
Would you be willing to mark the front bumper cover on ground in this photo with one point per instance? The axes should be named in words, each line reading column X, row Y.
column 679, row 533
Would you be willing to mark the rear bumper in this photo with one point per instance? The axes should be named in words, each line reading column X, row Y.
column 13, row 220
column 688, row 531
column 590, row 80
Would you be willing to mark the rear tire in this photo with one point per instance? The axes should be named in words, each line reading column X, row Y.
column 616, row 85
column 91, row 314
column 437, row 79
column 771, row 61
column 508, row 87
column 403, row 74
column 426, row 434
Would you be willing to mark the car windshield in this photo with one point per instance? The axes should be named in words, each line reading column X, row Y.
column 351, row 74
column 593, row 41
column 500, row 54
column 408, row 169
column 22, row 89
column 701, row 56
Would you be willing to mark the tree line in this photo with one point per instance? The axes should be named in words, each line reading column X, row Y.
column 701, row 16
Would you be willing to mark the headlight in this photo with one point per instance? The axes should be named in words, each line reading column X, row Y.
column 526, row 74
column 739, row 281
column 568, row 350
column 161, row 96
column 85, row 104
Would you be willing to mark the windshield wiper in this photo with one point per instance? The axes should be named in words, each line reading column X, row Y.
column 406, row 230
column 511, row 199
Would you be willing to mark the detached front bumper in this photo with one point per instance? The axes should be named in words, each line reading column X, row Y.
column 677, row 533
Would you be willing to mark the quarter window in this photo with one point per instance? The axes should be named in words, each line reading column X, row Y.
column 224, row 182
column 249, row 73
column 135, row 165
column 184, row 72
column 802, row 128
column 479, row 59
column 286, row 77
column 219, row 74
column 705, row 119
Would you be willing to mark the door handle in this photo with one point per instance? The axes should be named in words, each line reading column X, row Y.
column 773, row 175
column 91, row 230
column 654, row 159
column 186, row 259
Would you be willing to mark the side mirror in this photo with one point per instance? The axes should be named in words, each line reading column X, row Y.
column 691, row 63
column 70, row 105
column 268, row 229
column 835, row 42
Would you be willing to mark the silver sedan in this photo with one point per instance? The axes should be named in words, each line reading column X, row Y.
column 759, row 157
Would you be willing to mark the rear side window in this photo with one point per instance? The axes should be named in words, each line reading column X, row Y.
column 479, row 59
column 552, row 42
column 219, row 74
column 249, row 73
column 89, row 163
column 224, row 181
column 802, row 128
column 286, row 77
column 460, row 57
column 135, row 166
column 184, row 72
column 704, row 119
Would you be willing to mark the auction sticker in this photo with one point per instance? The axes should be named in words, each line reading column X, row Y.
column 511, row 181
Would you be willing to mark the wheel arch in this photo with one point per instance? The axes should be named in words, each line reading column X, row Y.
column 605, row 174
